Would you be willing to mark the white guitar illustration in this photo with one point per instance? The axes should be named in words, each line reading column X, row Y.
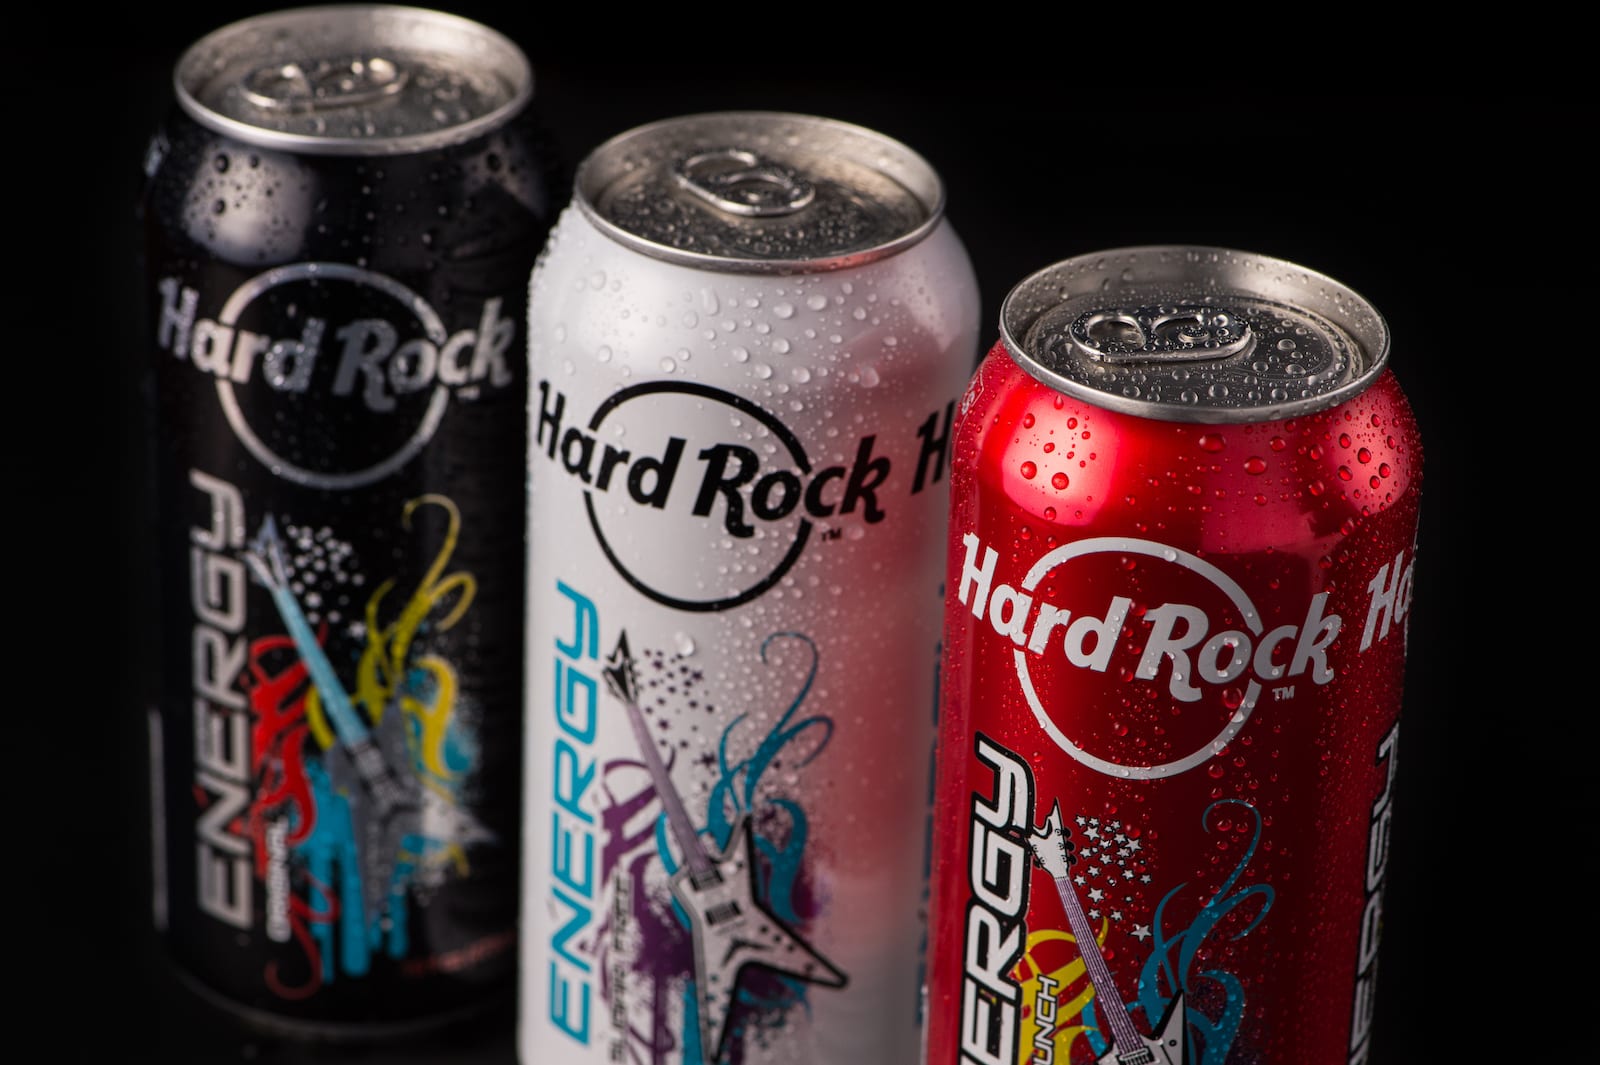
column 730, row 926
column 1128, row 1047
column 401, row 807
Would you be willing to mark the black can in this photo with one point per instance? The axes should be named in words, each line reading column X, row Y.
column 342, row 213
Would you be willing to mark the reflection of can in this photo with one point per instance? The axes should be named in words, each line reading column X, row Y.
column 747, row 337
column 1185, row 492
column 342, row 214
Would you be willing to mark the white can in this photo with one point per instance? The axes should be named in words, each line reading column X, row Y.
column 747, row 337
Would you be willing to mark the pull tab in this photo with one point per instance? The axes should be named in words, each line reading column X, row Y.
column 742, row 183
column 331, row 83
column 1168, row 333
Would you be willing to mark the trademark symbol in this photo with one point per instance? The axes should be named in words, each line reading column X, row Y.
column 1280, row 694
column 831, row 534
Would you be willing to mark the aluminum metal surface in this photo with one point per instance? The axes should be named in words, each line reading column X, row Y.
column 1194, row 334
column 760, row 192
column 353, row 79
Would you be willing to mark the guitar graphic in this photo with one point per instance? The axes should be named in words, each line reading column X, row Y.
column 730, row 927
column 1128, row 1047
column 402, row 811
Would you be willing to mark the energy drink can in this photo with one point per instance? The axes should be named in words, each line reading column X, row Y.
column 747, row 337
column 342, row 212
column 1185, row 495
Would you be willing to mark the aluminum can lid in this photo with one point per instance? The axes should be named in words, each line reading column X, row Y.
column 760, row 192
column 1194, row 334
column 353, row 79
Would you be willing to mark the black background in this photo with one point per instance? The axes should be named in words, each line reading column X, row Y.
column 1439, row 206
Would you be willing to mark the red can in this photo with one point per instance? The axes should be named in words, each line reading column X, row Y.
column 1182, row 538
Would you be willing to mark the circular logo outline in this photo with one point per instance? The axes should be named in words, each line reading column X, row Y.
column 781, row 431
column 431, row 324
column 1228, row 586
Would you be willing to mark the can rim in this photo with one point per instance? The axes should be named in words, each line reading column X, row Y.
column 1329, row 297
column 184, row 78
column 913, row 172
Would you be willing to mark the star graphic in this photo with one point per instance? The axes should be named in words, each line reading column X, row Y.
column 1116, row 915
column 1095, row 894
column 1141, row 932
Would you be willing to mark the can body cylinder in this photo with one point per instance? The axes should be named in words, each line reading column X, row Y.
column 338, row 379
column 735, row 557
column 1174, row 670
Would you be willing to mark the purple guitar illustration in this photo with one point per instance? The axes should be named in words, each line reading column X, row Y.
column 1128, row 1046
column 730, row 927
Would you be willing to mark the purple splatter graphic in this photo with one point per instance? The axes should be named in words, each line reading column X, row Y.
column 646, row 947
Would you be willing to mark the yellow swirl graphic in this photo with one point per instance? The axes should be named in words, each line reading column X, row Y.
column 1054, row 1046
column 382, row 673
